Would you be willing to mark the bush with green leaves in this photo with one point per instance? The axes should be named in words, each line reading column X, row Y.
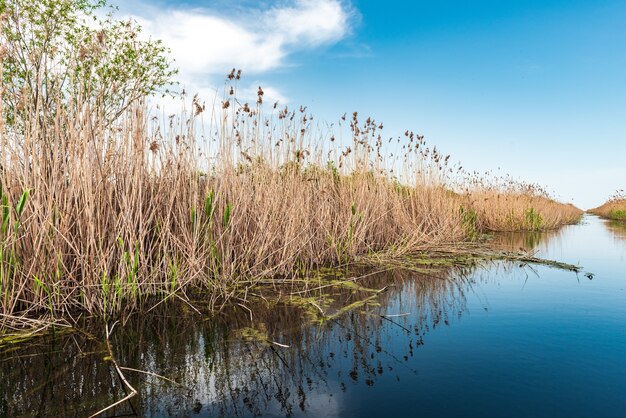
column 72, row 53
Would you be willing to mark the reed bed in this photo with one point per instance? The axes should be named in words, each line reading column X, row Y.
column 506, row 205
column 613, row 208
column 105, row 217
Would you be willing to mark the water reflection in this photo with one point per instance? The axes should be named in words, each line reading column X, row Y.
column 224, row 371
column 529, row 241
column 617, row 229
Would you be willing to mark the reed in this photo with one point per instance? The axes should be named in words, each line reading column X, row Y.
column 506, row 205
column 613, row 208
column 105, row 217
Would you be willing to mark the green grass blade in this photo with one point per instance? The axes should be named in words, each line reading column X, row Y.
column 22, row 202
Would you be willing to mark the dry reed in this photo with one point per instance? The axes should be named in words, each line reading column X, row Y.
column 613, row 208
column 103, row 217
column 512, row 206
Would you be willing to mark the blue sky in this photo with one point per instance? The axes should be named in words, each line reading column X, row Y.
column 536, row 88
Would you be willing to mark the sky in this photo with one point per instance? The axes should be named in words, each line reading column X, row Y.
column 536, row 89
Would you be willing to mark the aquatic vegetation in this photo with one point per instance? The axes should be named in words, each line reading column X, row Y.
column 613, row 208
column 502, row 204
column 105, row 230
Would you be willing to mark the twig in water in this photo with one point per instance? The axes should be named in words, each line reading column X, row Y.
column 279, row 344
column 318, row 307
column 130, row 369
column 395, row 323
column 246, row 308
column 189, row 304
column 132, row 390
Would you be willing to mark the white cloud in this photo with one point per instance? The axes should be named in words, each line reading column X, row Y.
column 203, row 44
column 207, row 43
column 311, row 22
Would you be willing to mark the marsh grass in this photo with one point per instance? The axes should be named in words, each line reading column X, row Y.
column 103, row 218
column 506, row 205
column 613, row 208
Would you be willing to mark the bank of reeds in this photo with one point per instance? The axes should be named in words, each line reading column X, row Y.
column 507, row 205
column 100, row 217
column 613, row 208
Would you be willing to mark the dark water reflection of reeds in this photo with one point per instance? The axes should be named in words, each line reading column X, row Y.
column 224, row 374
column 526, row 240
column 617, row 229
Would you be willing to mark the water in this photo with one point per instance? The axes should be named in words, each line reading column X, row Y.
column 502, row 340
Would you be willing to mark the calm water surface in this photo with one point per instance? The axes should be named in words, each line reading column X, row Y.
column 501, row 340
